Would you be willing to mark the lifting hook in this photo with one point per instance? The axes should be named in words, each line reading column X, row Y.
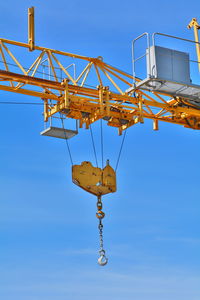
column 102, row 260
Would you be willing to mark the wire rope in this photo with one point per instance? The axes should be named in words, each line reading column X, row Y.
column 93, row 145
column 68, row 148
column 102, row 158
column 120, row 151
column 22, row 103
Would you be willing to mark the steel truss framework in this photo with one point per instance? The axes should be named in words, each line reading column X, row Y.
column 71, row 97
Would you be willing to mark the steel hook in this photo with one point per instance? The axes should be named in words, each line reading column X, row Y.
column 102, row 260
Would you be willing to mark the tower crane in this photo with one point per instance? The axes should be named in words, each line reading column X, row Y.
column 120, row 99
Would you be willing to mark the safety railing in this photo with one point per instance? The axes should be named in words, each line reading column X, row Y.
column 153, row 40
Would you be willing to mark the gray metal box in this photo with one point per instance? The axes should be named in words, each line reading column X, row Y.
column 168, row 64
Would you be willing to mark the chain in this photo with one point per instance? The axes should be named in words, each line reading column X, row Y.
column 101, row 234
column 102, row 260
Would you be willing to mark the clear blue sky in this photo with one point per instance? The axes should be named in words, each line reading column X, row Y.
column 48, row 229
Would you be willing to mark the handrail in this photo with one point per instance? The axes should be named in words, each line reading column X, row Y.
column 133, row 53
column 171, row 36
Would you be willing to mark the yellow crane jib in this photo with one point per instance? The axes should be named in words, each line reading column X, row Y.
column 119, row 98
column 94, row 180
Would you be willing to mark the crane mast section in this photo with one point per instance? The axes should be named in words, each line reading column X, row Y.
column 108, row 100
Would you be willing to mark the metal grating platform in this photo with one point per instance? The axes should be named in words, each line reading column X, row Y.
column 173, row 88
column 59, row 132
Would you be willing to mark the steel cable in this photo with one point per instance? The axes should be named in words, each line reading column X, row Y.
column 69, row 151
column 102, row 143
column 93, row 144
column 120, row 151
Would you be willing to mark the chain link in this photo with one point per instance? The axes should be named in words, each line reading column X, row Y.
column 100, row 234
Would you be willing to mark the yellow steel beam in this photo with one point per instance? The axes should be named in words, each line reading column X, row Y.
column 122, row 109
column 5, row 62
column 31, row 29
column 86, row 75
column 96, row 61
column 62, row 68
column 14, row 58
column 49, row 84
column 92, row 101
column 98, row 75
column 196, row 27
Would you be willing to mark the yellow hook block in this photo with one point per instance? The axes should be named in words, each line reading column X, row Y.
column 94, row 180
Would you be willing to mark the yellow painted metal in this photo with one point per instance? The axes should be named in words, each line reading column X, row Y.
column 14, row 59
column 66, row 93
column 108, row 99
column 61, row 67
column 94, row 180
column 155, row 125
column 120, row 107
column 31, row 29
column 5, row 63
column 87, row 104
column 196, row 27
column 141, row 119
